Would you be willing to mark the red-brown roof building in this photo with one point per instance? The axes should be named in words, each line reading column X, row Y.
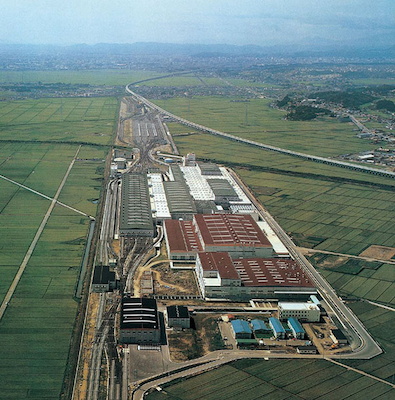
column 239, row 235
column 221, row 277
column 181, row 240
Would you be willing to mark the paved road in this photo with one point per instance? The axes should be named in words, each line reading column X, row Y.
column 359, row 124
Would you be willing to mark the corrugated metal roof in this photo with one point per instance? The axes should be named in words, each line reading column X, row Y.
column 240, row 326
column 230, row 229
column 295, row 325
column 276, row 325
column 177, row 312
column 178, row 197
column 222, row 188
column 135, row 203
column 139, row 313
column 259, row 325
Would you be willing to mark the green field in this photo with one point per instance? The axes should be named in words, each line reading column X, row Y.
column 257, row 121
column 276, row 380
column 36, row 328
column 358, row 278
column 62, row 120
column 381, row 324
column 380, row 289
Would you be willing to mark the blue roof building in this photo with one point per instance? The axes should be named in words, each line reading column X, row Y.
column 277, row 328
column 241, row 329
column 296, row 327
column 259, row 326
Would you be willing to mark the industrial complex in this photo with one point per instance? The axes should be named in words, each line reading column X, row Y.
column 192, row 262
column 201, row 220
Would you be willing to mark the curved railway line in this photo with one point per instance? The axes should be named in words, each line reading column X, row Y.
column 309, row 157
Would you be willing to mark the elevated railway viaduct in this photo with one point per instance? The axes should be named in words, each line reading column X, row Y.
column 309, row 157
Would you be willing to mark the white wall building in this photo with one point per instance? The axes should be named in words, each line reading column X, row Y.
column 306, row 312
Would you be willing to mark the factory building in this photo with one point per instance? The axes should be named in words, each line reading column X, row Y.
column 209, row 169
column 296, row 328
column 241, row 280
column 259, row 328
column 239, row 235
column 223, row 191
column 159, row 206
column 189, row 160
column 182, row 241
column 136, row 217
column 278, row 246
column 178, row 317
column 241, row 329
column 120, row 162
column 216, row 275
column 103, row 279
column 277, row 328
column 139, row 321
column 207, row 207
column 217, row 179
column 306, row 312
column 179, row 200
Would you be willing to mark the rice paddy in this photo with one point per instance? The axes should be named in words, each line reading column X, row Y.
column 275, row 379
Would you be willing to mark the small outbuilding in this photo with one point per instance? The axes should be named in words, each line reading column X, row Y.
column 306, row 350
column 103, row 279
column 178, row 317
column 338, row 336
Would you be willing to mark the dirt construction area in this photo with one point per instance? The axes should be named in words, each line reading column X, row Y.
column 379, row 252
column 169, row 281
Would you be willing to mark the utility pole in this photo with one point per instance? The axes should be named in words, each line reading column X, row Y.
column 246, row 116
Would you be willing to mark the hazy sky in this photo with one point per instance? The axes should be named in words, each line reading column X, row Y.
column 261, row 22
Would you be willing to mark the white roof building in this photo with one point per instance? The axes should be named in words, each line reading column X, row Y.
column 278, row 246
column 308, row 312
column 160, row 209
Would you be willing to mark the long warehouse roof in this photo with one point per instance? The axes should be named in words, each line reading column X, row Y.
column 135, row 203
